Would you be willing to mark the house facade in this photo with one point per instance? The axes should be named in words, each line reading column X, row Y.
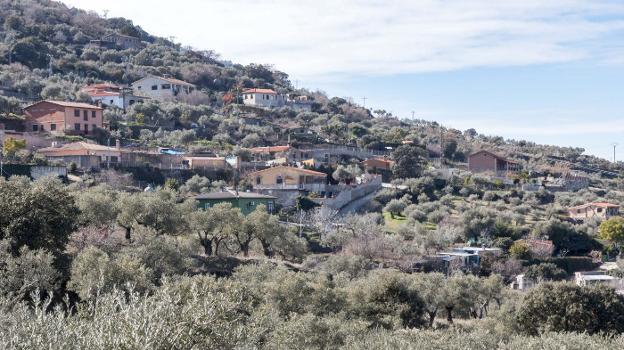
column 598, row 210
column 486, row 161
column 286, row 177
column 61, row 118
column 162, row 88
column 247, row 202
column 265, row 98
column 84, row 155
column 112, row 95
column 205, row 163
column 287, row 183
column 375, row 165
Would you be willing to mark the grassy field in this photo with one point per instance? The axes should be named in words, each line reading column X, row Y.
column 393, row 224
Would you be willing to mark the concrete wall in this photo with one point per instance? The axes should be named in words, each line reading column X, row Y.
column 38, row 171
column 349, row 195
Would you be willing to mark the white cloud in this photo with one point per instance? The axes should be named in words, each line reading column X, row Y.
column 315, row 39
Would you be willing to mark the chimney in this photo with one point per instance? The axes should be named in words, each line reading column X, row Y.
column 117, row 144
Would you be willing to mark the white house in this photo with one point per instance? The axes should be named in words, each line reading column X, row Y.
column 112, row 95
column 162, row 88
column 266, row 98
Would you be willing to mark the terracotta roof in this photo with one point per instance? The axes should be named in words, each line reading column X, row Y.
column 299, row 170
column 596, row 204
column 231, row 194
column 260, row 91
column 176, row 81
column 102, row 93
column 77, row 148
column 67, row 104
column 270, row 149
column 386, row 161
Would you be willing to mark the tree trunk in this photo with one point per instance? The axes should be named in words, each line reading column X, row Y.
column 128, row 234
column 449, row 314
column 244, row 247
column 432, row 316
column 207, row 244
column 266, row 248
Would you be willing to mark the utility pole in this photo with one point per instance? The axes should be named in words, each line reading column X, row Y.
column 412, row 114
column 364, row 101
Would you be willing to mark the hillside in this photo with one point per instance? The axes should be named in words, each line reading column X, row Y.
column 43, row 37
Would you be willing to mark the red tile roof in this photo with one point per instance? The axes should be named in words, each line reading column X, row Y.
column 67, row 104
column 76, row 149
column 259, row 91
column 595, row 204
column 270, row 149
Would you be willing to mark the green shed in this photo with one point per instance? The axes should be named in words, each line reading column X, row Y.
column 245, row 201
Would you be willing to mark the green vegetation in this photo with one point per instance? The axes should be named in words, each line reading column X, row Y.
column 102, row 263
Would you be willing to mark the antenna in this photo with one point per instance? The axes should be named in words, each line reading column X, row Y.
column 615, row 144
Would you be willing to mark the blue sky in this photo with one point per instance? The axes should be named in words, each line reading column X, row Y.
column 549, row 71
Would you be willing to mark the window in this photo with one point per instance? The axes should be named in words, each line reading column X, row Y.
column 114, row 159
column 35, row 128
column 139, row 87
column 279, row 180
column 93, row 114
column 77, row 127
column 270, row 207
column 131, row 102
column 165, row 86
column 76, row 113
column 258, row 180
column 85, row 115
column 578, row 211
column 111, row 102
column 52, row 127
column 154, row 87
column 599, row 210
column 86, row 128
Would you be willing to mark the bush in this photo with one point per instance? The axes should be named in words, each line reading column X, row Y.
column 520, row 250
column 563, row 307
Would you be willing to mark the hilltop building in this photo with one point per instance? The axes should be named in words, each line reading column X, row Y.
column 486, row 161
column 123, row 41
column 266, row 98
column 106, row 94
column 599, row 210
column 162, row 88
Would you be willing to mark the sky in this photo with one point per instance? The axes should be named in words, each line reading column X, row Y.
column 548, row 71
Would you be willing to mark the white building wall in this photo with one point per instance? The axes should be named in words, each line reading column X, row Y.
column 263, row 100
column 156, row 88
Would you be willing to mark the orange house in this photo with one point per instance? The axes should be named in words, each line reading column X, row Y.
column 60, row 117
column 378, row 164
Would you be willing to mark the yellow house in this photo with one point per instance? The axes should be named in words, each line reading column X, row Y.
column 285, row 177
